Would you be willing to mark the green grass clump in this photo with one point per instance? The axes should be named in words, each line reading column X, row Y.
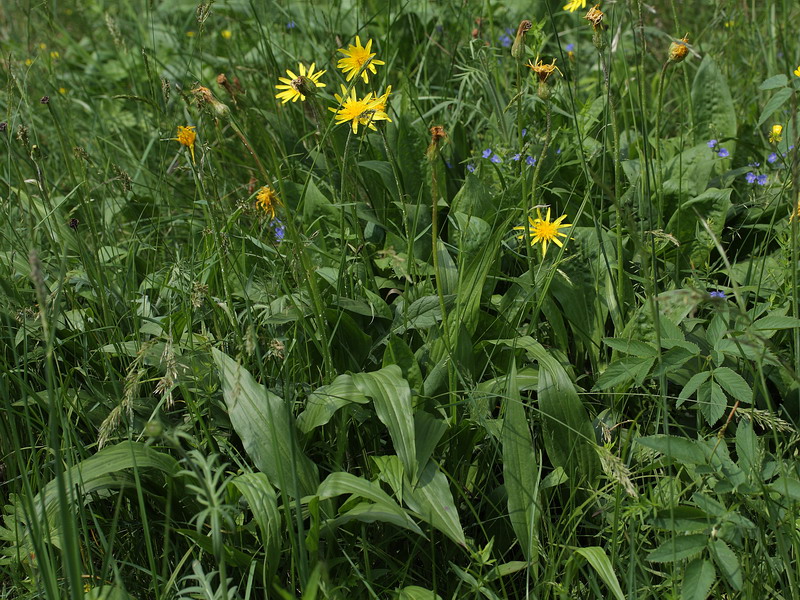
column 510, row 313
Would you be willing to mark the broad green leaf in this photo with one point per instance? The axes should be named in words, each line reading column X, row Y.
column 263, row 503
column 107, row 592
column 472, row 234
column 776, row 322
column 711, row 206
column 633, row 347
column 712, row 402
column 630, row 369
column 683, row 450
column 679, row 547
column 683, row 518
column 600, row 562
column 432, row 500
column 734, row 384
column 714, row 111
column 392, row 399
column 448, row 272
column 264, row 423
column 776, row 81
column 428, row 430
column 748, row 449
column 786, row 486
column 778, row 99
column 520, row 472
column 692, row 385
column 413, row 592
column 399, row 353
column 323, row 402
column 697, row 580
column 727, row 562
column 383, row 507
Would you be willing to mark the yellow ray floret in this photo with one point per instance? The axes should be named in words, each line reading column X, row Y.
column 267, row 200
column 365, row 111
column 574, row 5
column 356, row 58
column 543, row 231
column 186, row 136
column 297, row 86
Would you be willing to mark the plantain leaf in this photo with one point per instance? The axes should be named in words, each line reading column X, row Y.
column 600, row 562
column 432, row 500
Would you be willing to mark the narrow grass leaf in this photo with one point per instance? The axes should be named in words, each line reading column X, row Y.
column 600, row 562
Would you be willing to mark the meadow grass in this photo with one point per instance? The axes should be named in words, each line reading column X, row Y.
column 497, row 301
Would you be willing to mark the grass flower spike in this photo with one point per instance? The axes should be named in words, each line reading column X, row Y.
column 297, row 87
column 574, row 5
column 365, row 111
column 543, row 231
column 358, row 57
column 267, row 200
column 186, row 136
column 776, row 134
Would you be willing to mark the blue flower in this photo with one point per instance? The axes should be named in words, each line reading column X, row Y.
column 569, row 47
column 448, row 164
column 712, row 144
column 558, row 151
column 754, row 164
column 524, row 131
column 723, row 153
column 717, row 294
column 496, row 159
column 750, row 177
column 291, row 25
column 530, row 161
column 278, row 229
column 487, row 153
column 471, row 168
column 506, row 41
column 516, row 157
column 772, row 158
column 761, row 180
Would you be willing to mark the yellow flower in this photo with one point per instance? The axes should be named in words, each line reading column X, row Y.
column 797, row 72
column 358, row 57
column 226, row 33
column 190, row 34
column 28, row 62
column 267, row 200
column 775, row 134
column 678, row 50
column 42, row 46
column 541, row 231
column 574, row 5
column 55, row 55
column 795, row 213
column 380, row 101
column 62, row 90
column 186, row 136
column 297, row 87
column 365, row 111
column 543, row 71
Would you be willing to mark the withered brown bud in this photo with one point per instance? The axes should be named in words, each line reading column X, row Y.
column 518, row 48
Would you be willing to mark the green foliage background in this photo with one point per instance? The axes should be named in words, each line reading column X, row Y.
column 389, row 392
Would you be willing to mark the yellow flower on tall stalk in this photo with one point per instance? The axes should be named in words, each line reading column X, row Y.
column 365, row 111
column 358, row 57
column 383, row 99
column 543, row 231
column 797, row 72
column 776, row 134
column 186, row 136
column 297, row 87
column 267, row 200
column 574, row 5
column 542, row 70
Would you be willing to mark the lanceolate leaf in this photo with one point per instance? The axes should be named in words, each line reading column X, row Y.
column 600, row 562
column 264, row 423
column 432, row 500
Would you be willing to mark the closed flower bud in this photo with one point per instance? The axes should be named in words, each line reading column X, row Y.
column 678, row 50
column 518, row 48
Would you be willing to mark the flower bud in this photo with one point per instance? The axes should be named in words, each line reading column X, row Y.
column 518, row 48
column 678, row 50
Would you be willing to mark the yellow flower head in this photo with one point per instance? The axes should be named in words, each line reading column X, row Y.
column 297, row 87
column 267, row 200
column 574, row 5
column 364, row 112
column 795, row 213
column 775, row 134
column 186, row 136
column 542, row 70
column 357, row 59
column 678, row 50
column 55, row 55
column 380, row 101
column 797, row 72
column 226, row 33
column 542, row 231
column 595, row 17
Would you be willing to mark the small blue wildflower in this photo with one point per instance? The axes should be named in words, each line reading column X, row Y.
column 761, row 180
column 516, row 157
column 717, row 294
column 279, row 229
column 524, row 131
column 772, row 158
column 471, row 168
column 506, row 41
column 754, row 164
column 487, row 153
column 530, row 161
column 558, row 151
column 712, row 144
column 496, row 159
column 291, row 25
column 723, row 153
column 448, row 164
column 750, row 177
column 790, row 148
column 569, row 47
